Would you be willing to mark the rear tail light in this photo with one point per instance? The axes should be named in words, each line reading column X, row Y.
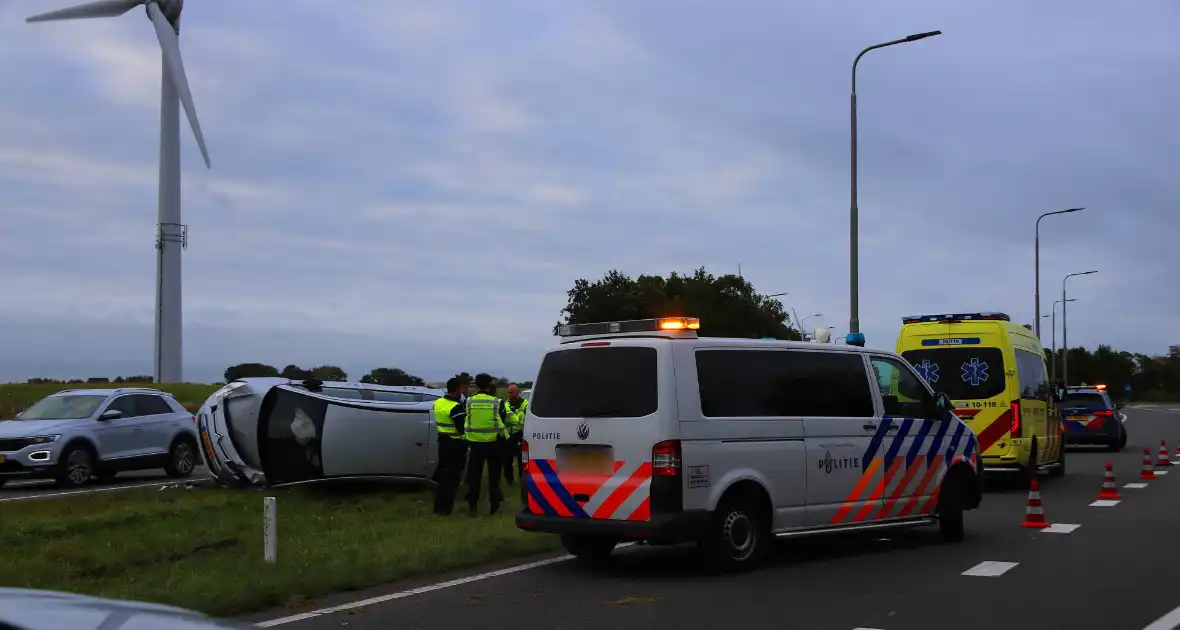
column 665, row 459
column 1015, row 430
column 1105, row 413
column 524, row 454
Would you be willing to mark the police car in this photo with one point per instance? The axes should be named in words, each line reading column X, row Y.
column 1091, row 417
column 642, row 431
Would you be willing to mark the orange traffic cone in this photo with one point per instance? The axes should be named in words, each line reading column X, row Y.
column 1178, row 448
column 1108, row 489
column 1147, row 473
column 1162, row 460
column 1034, row 514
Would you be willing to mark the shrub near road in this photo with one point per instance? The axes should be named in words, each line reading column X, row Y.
column 202, row 549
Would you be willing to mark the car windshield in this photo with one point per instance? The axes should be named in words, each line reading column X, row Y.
column 63, row 408
column 1083, row 400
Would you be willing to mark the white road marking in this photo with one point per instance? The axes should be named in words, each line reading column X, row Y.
column 1160, row 472
column 1135, row 485
column 416, row 591
column 96, row 490
column 1167, row 622
column 1122, row 417
column 990, row 568
column 1060, row 528
column 1105, row 503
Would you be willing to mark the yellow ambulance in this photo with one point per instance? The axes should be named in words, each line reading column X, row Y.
column 994, row 372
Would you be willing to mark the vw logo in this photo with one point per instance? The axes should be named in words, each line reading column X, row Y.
column 583, row 431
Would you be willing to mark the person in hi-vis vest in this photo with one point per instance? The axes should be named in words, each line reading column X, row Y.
column 450, row 420
column 515, row 410
column 485, row 433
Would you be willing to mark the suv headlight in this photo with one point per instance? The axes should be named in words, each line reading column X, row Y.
column 43, row 439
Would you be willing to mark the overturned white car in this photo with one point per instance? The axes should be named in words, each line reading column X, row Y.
column 272, row 431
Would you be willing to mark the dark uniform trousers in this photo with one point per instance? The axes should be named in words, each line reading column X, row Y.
column 512, row 465
column 452, row 455
column 491, row 454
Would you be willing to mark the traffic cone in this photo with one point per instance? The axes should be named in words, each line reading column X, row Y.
column 1162, row 460
column 1178, row 448
column 1147, row 473
column 1108, row 489
column 1034, row 514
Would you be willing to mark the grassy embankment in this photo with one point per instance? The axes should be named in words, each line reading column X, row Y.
column 16, row 397
column 202, row 549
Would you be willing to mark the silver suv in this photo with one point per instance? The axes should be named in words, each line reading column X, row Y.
column 78, row 435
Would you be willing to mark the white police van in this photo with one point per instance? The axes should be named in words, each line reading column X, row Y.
column 640, row 430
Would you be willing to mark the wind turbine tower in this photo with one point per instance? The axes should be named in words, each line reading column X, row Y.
column 171, row 233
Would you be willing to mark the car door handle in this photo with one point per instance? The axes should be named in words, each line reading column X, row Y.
column 137, row 429
column 869, row 426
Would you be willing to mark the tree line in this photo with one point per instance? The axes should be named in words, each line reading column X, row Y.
column 1151, row 377
column 391, row 376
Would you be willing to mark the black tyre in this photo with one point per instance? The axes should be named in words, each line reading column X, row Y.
column 950, row 509
column 1120, row 442
column 182, row 458
column 1059, row 469
column 76, row 467
column 1029, row 469
column 739, row 539
column 588, row 548
column 2, row 482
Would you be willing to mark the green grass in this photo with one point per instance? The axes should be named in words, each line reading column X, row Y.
column 202, row 549
column 16, row 397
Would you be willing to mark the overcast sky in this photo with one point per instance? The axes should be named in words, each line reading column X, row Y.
column 417, row 184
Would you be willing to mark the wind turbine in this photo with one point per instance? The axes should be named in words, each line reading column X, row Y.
column 171, row 234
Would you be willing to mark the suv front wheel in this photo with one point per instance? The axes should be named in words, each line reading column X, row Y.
column 182, row 458
column 76, row 467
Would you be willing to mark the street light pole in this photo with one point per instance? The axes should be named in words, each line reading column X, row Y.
column 1064, row 328
column 1053, row 363
column 853, row 212
column 807, row 318
column 1037, row 261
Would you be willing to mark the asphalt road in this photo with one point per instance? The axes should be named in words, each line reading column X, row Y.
column 1115, row 571
column 46, row 489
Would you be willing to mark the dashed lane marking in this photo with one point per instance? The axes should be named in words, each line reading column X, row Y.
column 1168, row 622
column 1105, row 503
column 1135, row 485
column 1160, row 472
column 416, row 591
column 990, row 568
column 1060, row 528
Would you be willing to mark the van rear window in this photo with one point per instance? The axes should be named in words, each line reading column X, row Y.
column 609, row 382
column 962, row 373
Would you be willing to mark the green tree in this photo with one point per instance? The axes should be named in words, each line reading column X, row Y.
column 329, row 373
column 728, row 306
column 464, row 377
column 249, row 370
column 295, row 373
column 391, row 376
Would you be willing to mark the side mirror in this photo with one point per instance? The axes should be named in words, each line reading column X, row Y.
column 943, row 403
column 111, row 414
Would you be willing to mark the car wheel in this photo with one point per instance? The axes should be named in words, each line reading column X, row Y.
column 182, row 458
column 2, row 482
column 1059, row 469
column 1120, row 442
column 739, row 540
column 588, row 548
column 950, row 509
column 76, row 468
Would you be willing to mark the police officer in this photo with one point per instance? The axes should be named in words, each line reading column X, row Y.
column 485, row 433
column 449, row 418
column 515, row 410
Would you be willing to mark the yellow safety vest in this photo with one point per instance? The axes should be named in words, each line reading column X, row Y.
column 516, row 418
column 442, row 417
column 483, row 418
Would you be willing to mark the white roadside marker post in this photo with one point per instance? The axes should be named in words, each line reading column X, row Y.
column 270, row 539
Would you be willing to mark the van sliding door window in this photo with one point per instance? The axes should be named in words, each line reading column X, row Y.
column 783, row 383
column 605, row 382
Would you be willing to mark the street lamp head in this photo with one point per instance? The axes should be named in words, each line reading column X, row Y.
column 818, row 315
column 917, row 36
column 1073, row 210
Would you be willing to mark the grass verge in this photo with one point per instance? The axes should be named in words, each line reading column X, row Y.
column 202, row 549
column 16, row 397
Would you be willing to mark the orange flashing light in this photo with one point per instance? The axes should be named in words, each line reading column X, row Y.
column 680, row 323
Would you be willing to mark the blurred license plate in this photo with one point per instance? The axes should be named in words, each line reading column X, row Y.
column 587, row 462
column 1079, row 418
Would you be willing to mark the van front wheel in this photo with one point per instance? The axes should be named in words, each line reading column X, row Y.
column 588, row 548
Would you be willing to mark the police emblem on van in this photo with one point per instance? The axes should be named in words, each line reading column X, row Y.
column 583, row 431
column 829, row 463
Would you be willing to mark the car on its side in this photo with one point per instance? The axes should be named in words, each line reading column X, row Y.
column 29, row 609
column 78, row 435
column 1092, row 418
column 272, row 431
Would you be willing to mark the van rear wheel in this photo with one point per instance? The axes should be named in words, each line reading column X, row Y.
column 738, row 540
column 588, row 548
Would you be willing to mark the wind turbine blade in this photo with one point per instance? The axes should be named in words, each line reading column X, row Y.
column 99, row 9
column 170, row 46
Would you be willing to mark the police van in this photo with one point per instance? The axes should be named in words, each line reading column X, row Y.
column 642, row 431
column 994, row 372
